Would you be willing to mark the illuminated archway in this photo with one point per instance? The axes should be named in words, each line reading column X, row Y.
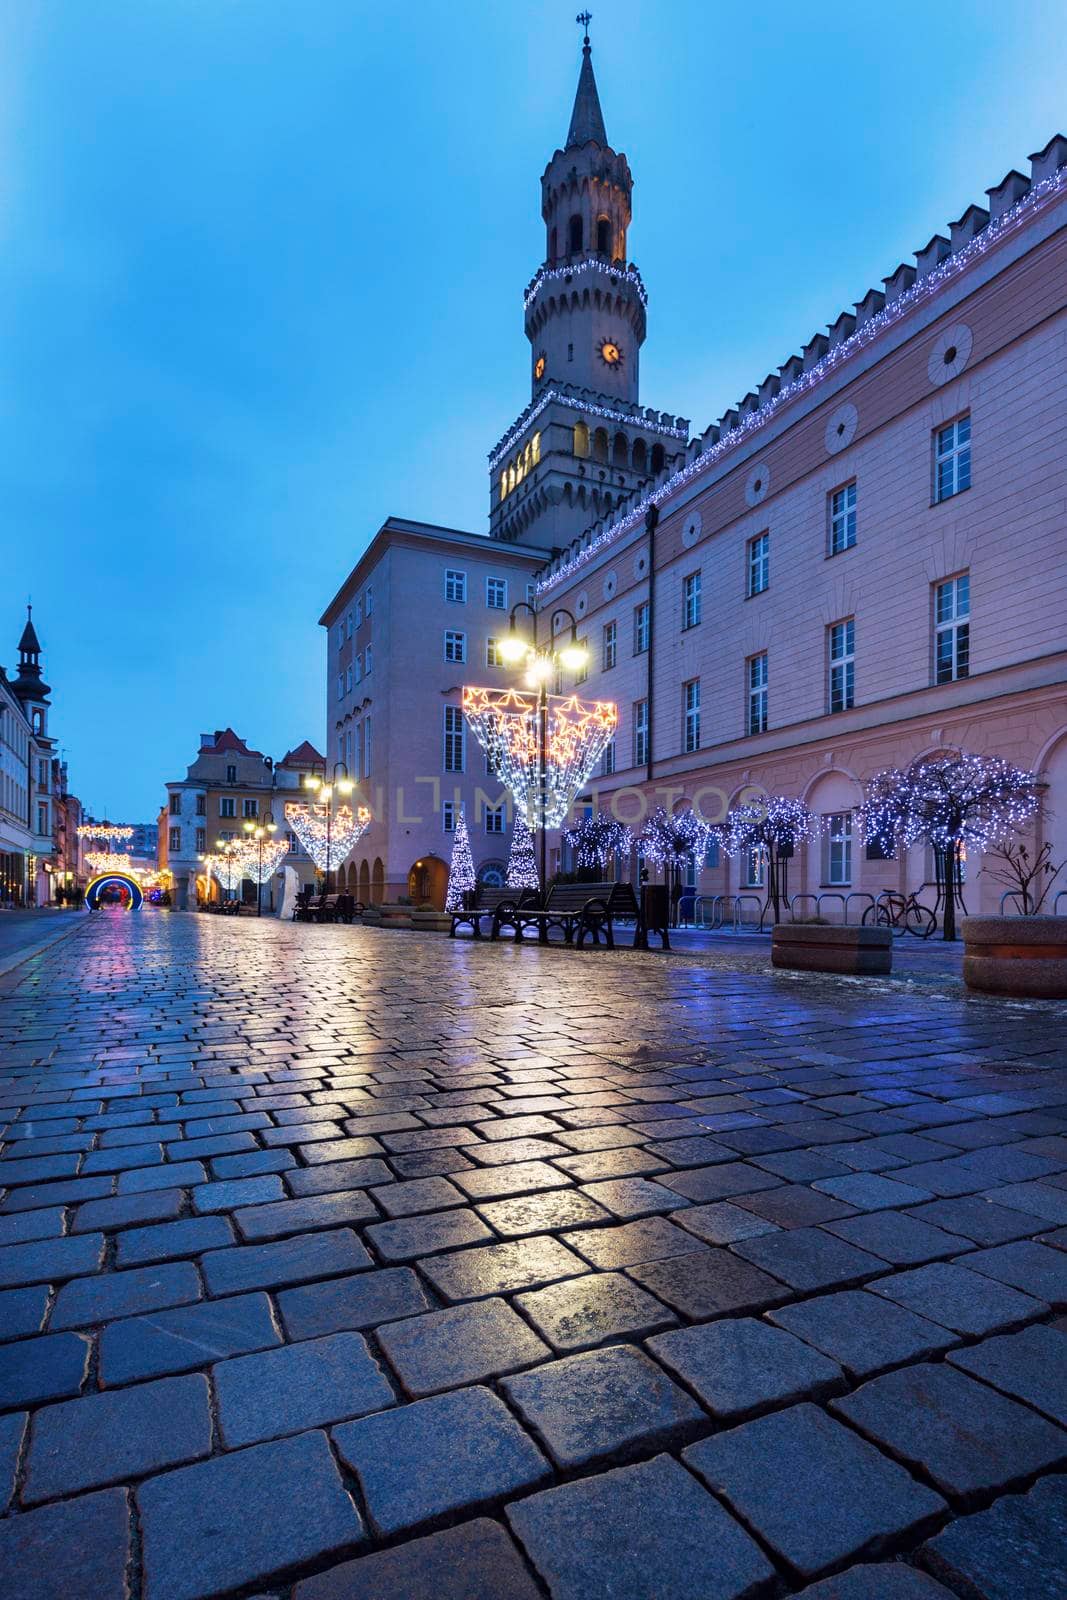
column 115, row 880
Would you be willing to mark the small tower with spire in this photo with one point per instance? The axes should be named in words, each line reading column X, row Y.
column 29, row 684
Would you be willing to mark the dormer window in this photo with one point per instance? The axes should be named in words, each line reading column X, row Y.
column 574, row 235
column 603, row 236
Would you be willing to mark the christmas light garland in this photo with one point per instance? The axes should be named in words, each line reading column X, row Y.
column 109, row 861
column 627, row 274
column 461, row 874
column 104, row 830
column 673, row 840
column 522, row 866
column 949, row 800
column 534, row 410
column 505, row 723
column 261, row 862
column 328, row 839
column 597, row 838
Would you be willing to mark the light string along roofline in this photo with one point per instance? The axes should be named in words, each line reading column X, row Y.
column 546, row 274
column 630, row 418
column 991, row 234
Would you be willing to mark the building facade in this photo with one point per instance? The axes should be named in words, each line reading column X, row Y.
column 227, row 785
column 861, row 563
column 27, row 801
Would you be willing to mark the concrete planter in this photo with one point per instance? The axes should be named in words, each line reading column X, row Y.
column 805, row 947
column 396, row 916
column 372, row 917
column 1022, row 956
column 432, row 921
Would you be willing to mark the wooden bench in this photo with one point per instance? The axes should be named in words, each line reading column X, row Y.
column 576, row 909
column 501, row 905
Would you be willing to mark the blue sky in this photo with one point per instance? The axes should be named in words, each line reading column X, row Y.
column 261, row 277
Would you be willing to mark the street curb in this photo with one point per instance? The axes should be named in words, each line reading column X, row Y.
column 20, row 957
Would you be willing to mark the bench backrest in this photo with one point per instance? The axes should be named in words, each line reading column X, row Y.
column 488, row 898
column 622, row 901
column 573, row 896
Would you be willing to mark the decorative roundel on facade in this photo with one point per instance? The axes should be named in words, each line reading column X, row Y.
column 611, row 583
column 640, row 565
column 691, row 531
column 950, row 354
column 758, row 484
column 581, row 605
column 841, row 428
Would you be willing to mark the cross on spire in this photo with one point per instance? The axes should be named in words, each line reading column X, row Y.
column 587, row 121
column 583, row 19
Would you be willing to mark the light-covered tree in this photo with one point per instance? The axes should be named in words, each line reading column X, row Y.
column 522, row 865
column 773, row 828
column 461, row 875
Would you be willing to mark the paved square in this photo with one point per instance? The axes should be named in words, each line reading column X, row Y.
column 340, row 1261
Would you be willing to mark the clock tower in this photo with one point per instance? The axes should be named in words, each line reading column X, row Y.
column 584, row 442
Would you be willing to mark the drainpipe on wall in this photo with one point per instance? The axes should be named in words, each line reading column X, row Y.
column 651, row 519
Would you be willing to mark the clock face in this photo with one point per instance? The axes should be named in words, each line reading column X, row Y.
column 539, row 367
column 610, row 352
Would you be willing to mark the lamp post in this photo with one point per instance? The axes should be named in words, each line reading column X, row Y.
column 259, row 831
column 325, row 795
column 542, row 663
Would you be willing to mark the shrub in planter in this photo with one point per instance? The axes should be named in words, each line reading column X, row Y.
column 818, row 946
column 1021, row 956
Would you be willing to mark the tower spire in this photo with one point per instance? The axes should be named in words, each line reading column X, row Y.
column 587, row 119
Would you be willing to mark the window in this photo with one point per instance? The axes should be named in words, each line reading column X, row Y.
column 640, row 733
column 340, row 633
column 582, row 672
column 494, row 819
column 201, row 805
column 174, row 841
column 453, row 739
column 608, row 646
column 757, row 693
column 759, row 564
column 841, row 652
column 952, row 628
column 531, row 594
column 348, row 626
column 250, row 808
column 607, row 760
column 293, row 842
column 456, row 586
column 175, row 805
column 496, row 594
column 691, row 715
column 357, row 668
column 952, row 459
column 227, row 806
column 231, row 774
column 691, row 600
column 842, row 519
column 711, row 854
column 366, row 748
column 225, row 835
column 348, row 679
column 368, row 605
column 448, row 816
column 340, row 696
column 837, row 848
column 455, row 645
column 493, row 658
column 359, row 613
column 366, row 662
column 641, row 628
column 201, row 839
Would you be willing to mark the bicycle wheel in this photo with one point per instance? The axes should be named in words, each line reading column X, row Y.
column 877, row 916
column 919, row 919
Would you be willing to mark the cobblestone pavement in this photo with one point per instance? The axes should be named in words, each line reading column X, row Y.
column 346, row 1264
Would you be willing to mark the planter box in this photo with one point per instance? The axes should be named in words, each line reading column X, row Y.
column 372, row 917
column 811, row 948
column 432, row 921
column 394, row 916
column 1022, row 956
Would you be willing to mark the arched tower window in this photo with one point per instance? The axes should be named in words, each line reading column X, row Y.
column 535, row 448
column 622, row 246
column 581, row 439
column 640, row 456
column 574, row 235
column 620, row 451
column 600, row 445
column 657, row 458
column 553, row 245
column 603, row 236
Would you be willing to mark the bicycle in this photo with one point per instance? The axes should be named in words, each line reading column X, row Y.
column 902, row 914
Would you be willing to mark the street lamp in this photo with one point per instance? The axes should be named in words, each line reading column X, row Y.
column 542, row 663
column 258, row 832
column 325, row 796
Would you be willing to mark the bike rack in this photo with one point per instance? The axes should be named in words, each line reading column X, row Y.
column 804, row 896
column 744, row 899
column 1061, row 894
column 858, row 894
column 1013, row 894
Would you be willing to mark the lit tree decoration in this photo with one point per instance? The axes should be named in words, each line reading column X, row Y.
column 522, row 868
column 671, row 841
column 261, row 863
column 505, row 723
column 328, row 838
column 228, row 865
column 109, row 861
column 773, row 828
column 595, row 839
column 955, row 802
column 461, row 874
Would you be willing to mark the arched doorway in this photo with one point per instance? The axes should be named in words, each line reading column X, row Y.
column 428, row 882
column 364, row 882
column 115, row 890
column 377, row 882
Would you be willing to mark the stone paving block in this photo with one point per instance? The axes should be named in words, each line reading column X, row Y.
column 801, row 1166
column 296, row 1387
column 866, row 1335
column 633, row 1197
column 722, row 1182
column 509, row 1152
column 1017, row 1550
column 417, row 1195
column 253, row 1164
column 721, row 1222
column 243, row 1517
column 429, row 1163
column 792, row 1476
column 327, row 1152
column 649, row 1530
column 454, row 1452
column 599, row 1165
column 1036, row 1199
column 70, row 1191
column 462, row 1344
column 709, row 1283
column 625, row 1244
column 794, row 1205
column 168, row 1175
column 476, row 1561
column 228, row 1195
column 22, row 1311
column 1008, row 1164
column 128, row 1210
column 296, row 1260
column 808, row 1259
column 900, row 1239
column 409, row 1237
column 889, row 1580
column 965, row 1437
column 51, row 1367
column 336, row 1176
column 51, row 1260
column 522, row 1127
column 124, row 1433
column 873, row 1191
column 76, row 1548
column 184, row 1338
column 37, row 1169
column 959, row 1299
column 124, row 1294
column 539, row 1213
column 981, row 1221
column 169, row 1241
column 499, row 1182
column 582, row 1140
column 595, row 1309
column 740, row 1366
column 22, row 1226
column 352, row 1302
column 603, row 1404
column 142, row 1155
column 1030, row 1366
column 12, row 1433
column 283, row 1217
column 947, row 1178
column 499, row 1268
column 1026, row 1265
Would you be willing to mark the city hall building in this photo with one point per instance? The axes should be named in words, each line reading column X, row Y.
column 861, row 563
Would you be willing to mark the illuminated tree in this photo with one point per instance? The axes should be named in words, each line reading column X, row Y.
column 596, row 838
column 772, row 828
column 522, row 867
column 461, row 874
column 671, row 841
column 955, row 802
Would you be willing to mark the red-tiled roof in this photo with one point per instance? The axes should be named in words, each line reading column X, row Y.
column 305, row 755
